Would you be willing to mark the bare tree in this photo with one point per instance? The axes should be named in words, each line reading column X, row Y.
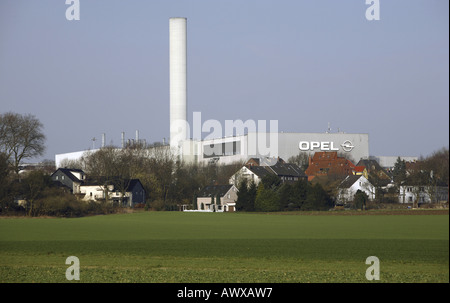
column 302, row 160
column 21, row 137
column 162, row 163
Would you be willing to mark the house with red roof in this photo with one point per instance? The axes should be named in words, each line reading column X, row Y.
column 329, row 163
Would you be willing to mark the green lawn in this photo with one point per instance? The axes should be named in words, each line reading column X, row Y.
column 225, row 247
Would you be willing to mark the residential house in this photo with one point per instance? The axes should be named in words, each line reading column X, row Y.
column 287, row 172
column 329, row 163
column 375, row 170
column 135, row 192
column 207, row 198
column 97, row 190
column 422, row 194
column 351, row 184
column 70, row 178
column 256, row 169
column 250, row 173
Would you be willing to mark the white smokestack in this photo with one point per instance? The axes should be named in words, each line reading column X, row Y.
column 178, row 83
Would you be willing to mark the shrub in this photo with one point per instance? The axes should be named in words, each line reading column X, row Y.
column 157, row 205
column 59, row 206
column 360, row 199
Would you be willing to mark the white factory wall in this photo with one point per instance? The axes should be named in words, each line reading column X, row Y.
column 70, row 156
column 286, row 145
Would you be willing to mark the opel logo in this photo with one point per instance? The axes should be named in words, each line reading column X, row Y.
column 347, row 146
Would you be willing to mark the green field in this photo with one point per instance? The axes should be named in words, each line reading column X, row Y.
column 226, row 248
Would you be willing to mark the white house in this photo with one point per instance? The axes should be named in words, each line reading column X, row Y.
column 353, row 183
column 251, row 173
column 134, row 192
column 207, row 198
column 95, row 192
column 422, row 194
column 256, row 169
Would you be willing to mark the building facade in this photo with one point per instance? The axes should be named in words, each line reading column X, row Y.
column 218, row 198
column 231, row 149
column 353, row 183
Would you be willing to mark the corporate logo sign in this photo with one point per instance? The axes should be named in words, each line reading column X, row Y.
column 347, row 146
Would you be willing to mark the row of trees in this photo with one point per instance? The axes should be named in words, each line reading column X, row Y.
column 433, row 170
column 425, row 175
column 273, row 195
column 166, row 180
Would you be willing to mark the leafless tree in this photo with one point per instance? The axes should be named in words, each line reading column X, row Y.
column 302, row 160
column 21, row 137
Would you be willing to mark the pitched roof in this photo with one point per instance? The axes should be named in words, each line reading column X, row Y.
column 373, row 166
column 252, row 161
column 324, row 163
column 280, row 169
column 287, row 169
column 349, row 181
column 68, row 173
column 260, row 171
column 214, row 190
column 116, row 181
column 359, row 169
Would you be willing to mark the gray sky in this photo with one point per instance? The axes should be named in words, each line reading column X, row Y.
column 304, row 63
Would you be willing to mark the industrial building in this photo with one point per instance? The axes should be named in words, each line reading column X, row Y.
column 250, row 143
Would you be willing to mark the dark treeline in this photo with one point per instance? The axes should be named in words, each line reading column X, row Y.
column 273, row 195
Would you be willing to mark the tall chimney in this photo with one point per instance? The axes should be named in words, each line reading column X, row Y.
column 178, row 81
column 123, row 139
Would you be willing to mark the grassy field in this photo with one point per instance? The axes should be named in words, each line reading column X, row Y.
column 226, row 247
